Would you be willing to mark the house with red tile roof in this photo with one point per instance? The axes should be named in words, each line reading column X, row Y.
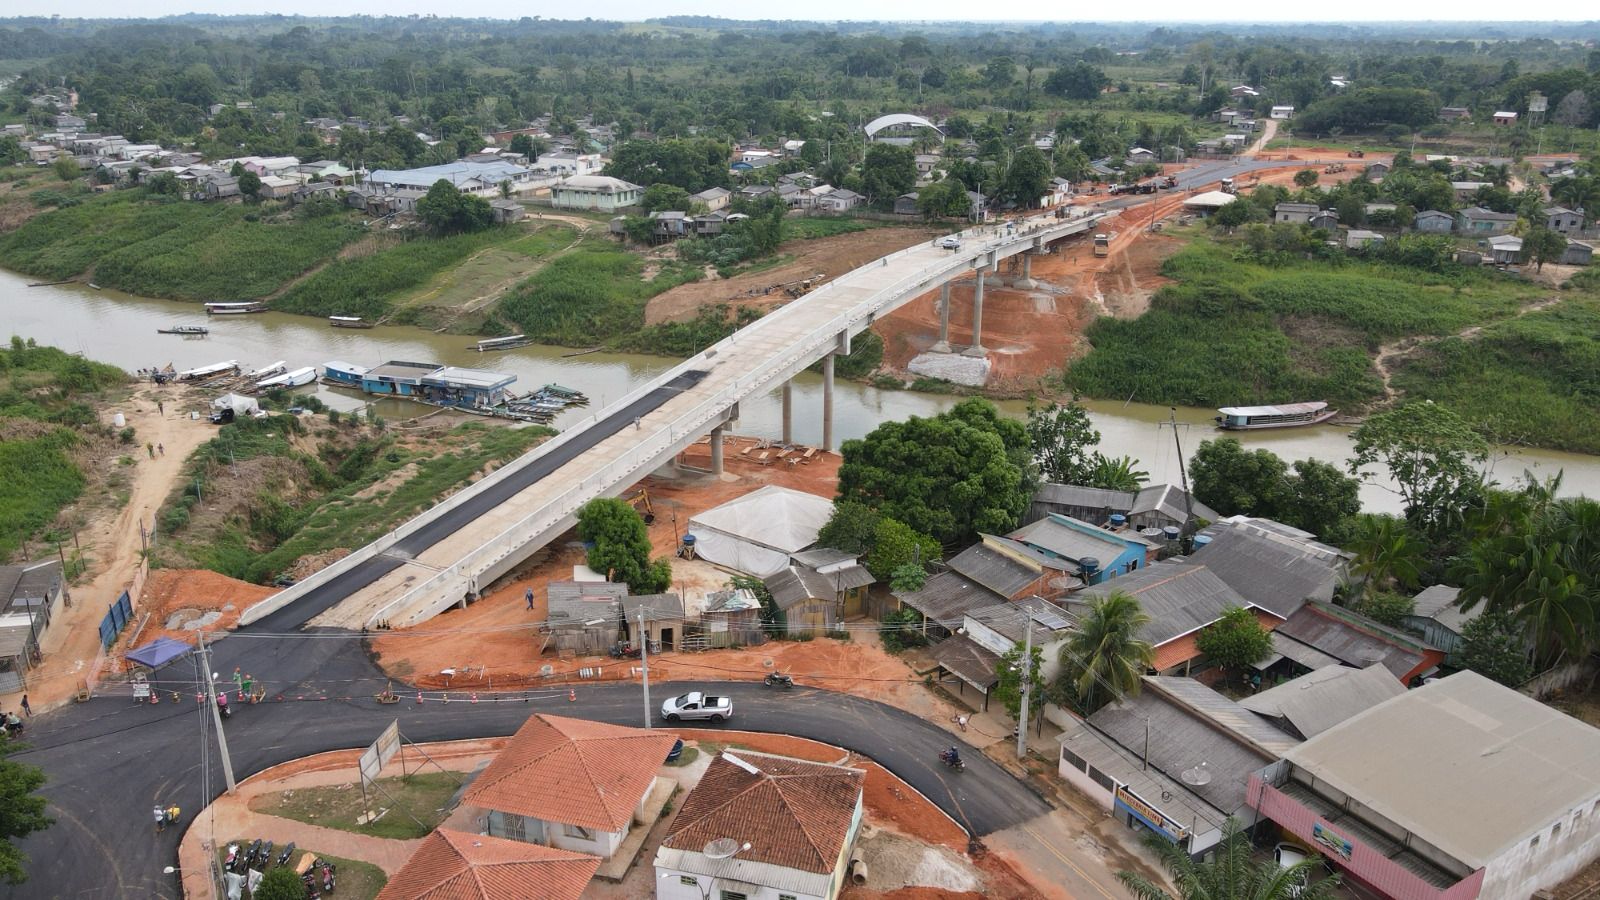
column 454, row 865
column 570, row 783
column 762, row 826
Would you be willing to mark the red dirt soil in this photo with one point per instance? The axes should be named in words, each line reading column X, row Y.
column 195, row 592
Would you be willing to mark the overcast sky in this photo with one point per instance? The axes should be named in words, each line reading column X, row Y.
column 824, row 10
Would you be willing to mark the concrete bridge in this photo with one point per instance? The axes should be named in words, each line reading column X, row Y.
column 456, row 549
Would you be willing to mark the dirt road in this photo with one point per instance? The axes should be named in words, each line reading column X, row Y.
column 1268, row 131
column 112, row 545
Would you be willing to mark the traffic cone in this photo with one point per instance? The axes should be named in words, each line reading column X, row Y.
column 474, row 698
column 572, row 695
column 419, row 698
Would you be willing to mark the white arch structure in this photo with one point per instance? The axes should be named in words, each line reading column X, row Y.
column 882, row 122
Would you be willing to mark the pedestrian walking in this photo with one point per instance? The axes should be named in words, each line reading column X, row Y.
column 250, row 687
column 238, row 683
column 161, row 449
column 26, row 709
column 161, row 408
column 528, row 595
column 150, row 449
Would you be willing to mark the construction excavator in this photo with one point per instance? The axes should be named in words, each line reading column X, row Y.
column 640, row 500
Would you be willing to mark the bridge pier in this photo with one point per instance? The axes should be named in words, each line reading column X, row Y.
column 942, row 345
column 788, row 411
column 716, row 449
column 827, row 403
column 977, row 318
column 1025, row 280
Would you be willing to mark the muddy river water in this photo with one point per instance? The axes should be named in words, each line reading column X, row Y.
column 120, row 329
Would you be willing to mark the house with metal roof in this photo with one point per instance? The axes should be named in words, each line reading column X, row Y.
column 1175, row 759
column 597, row 192
column 470, row 388
column 1096, row 554
column 1275, row 570
column 992, row 570
column 763, row 826
column 1432, row 221
column 572, row 784
column 481, row 178
column 31, row 596
column 1461, row 788
column 397, row 377
column 584, row 616
column 662, row 617
column 1152, row 506
column 819, row 589
column 1316, row 701
column 1480, row 222
column 455, row 865
column 1354, row 640
column 1294, row 213
column 1181, row 597
column 1436, row 615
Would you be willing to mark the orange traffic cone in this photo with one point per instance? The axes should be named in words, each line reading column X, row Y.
column 572, row 695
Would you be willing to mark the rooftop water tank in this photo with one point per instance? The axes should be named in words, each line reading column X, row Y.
column 1089, row 565
column 1118, row 520
column 1172, row 533
column 1200, row 540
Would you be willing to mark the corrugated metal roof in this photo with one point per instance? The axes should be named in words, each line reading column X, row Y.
column 1073, row 495
column 1010, row 620
column 1179, row 597
column 1059, row 535
column 577, row 602
column 994, row 570
column 656, row 607
column 1171, row 797
column 1288, row 648
column 820, row 557
column 1469, row 766
column 1275, row 573
column 946, row 597
column 1319, row 700
column 1358, row 642
column 1168, row 499
column 968, row 660
column 1439, row 604
column 1224, row 712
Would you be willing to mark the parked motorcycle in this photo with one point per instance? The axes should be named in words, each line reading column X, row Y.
column 778, row 679
column 266, row 857
column 283, row 858
column 233, row 854
column 327, row 877
column 952, row 758
column 624, row 651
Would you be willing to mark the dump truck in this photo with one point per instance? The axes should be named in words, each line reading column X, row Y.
column 1102, row 245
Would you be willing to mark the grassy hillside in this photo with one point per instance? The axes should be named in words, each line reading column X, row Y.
column 161, row 247
column 1233, row 331
column 589, row 296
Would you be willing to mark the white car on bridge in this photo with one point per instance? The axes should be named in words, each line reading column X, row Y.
column 695, row 705
column 950, row 242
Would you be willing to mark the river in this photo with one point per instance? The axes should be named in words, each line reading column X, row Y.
column 121, row 329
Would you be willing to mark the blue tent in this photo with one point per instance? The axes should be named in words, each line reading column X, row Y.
column 158, row 652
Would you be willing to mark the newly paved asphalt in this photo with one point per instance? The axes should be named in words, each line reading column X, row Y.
column 110, row 760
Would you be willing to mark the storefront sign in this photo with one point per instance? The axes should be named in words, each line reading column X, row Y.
column 1135, row 806
column 1332, row 841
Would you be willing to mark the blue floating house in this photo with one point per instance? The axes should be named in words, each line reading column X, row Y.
column 343, row 374
column 468, row 388
column 398, row 378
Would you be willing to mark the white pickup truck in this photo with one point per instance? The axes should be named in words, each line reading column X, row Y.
column 695, row 705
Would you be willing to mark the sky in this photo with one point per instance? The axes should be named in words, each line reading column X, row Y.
column 1152, row 11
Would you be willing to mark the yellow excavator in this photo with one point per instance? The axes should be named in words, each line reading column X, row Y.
column 640, row 500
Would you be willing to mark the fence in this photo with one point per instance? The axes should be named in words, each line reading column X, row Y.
column 116, row 619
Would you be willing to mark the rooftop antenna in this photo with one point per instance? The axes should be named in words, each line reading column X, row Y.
column 724, row 848
column 1197, row 776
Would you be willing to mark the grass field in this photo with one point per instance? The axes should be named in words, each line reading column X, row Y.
column 415, row 803
column 592, row 294
column 1233, row 331
column 491, row 271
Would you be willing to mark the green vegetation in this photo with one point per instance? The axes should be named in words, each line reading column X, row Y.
column 1236, row 641
column 424, row 796
column 710, row 324
column 372, row 285
column 278, row 504
column 357, row 880
column 810, row 227
column 592, row 295
column 1104, row 658
column 38, row 478
column 1230, row 871
column 1315, row 496
column 619, row 545
column 172, row 248
column 1233, row 332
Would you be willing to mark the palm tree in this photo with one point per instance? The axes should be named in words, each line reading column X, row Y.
column 1386, row 551
column 1119, row 474
column 1230, row 875
column 1104, row 657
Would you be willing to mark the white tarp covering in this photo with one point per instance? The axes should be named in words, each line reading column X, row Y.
column 755, row 534
column 240, row 404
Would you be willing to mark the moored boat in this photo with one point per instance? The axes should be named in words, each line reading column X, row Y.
column 1285, row 415
column 202, row 373
column 292, row 378
column 184, row 329
column 234, row 309
column 509, row 342
column 349, row 322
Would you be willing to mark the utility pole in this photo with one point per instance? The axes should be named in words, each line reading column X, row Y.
column 1027, row 687
column 216, row 714
column 1183, row 472
column 644, row 661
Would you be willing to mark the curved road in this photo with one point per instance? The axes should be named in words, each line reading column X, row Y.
column 111, row 760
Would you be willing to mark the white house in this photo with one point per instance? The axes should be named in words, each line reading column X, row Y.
column 838, row 200
column 480, row 178
column 714, row 198
column 598, row 192
column 777, row 829
column 1283, row 112
column 571, row 784
column 570, row 162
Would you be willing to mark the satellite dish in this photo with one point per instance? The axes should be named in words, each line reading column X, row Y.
column 1198, row 775
column 722, row 848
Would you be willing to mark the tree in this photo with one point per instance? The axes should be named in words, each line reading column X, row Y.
column 888, row 172
column 662, row 197
column 1116, row 474
column 1239, row 482
column 1008, row 684
column 1232, row 215
column 1493, row 646
column 1388, row 553
column 1104, row 658
column 22, row 812
column 66, row 168
column 908, row 578
column 895, row 545
column 1306, row 178
column 949, row 476
column 164, row 184
column 1573, row 110
column 1431, row 454
column 1063, row 441
column 853, row 528
column 693, row 165
column 999, row 73
column 1027, row 178
column 1229, row 873
column 1386, row 608
column 1322, row 499
column 621, row 546
column 250, row 185
column 1236, row 641
column 446, row 210
column 1079, row 81
column 1543, row 245
column 944, row 199
column 280, row 883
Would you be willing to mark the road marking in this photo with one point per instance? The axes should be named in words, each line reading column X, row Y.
column 1070, row 864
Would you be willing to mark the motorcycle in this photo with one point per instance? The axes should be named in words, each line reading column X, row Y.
column 953, row 759
column 624, row 651
column 283, row 858
column 233, row 854
column 778, row 679
column 266, row 857
column 327, row 877
column 248, row 857
column 223, row 707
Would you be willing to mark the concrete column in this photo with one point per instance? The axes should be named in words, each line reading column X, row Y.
column 788, row 412
column 716, row 450
column 1025, row 280
column 977, row 319
column 827, row 403
column 942, row 345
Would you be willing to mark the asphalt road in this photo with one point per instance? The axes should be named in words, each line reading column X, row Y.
column 110, row 760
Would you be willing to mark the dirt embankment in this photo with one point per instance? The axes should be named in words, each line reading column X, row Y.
column 829, row 256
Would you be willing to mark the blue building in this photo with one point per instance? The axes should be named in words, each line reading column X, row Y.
column 343, row 374
column 1098, row 553
column 398, row 378
column 470, row 388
